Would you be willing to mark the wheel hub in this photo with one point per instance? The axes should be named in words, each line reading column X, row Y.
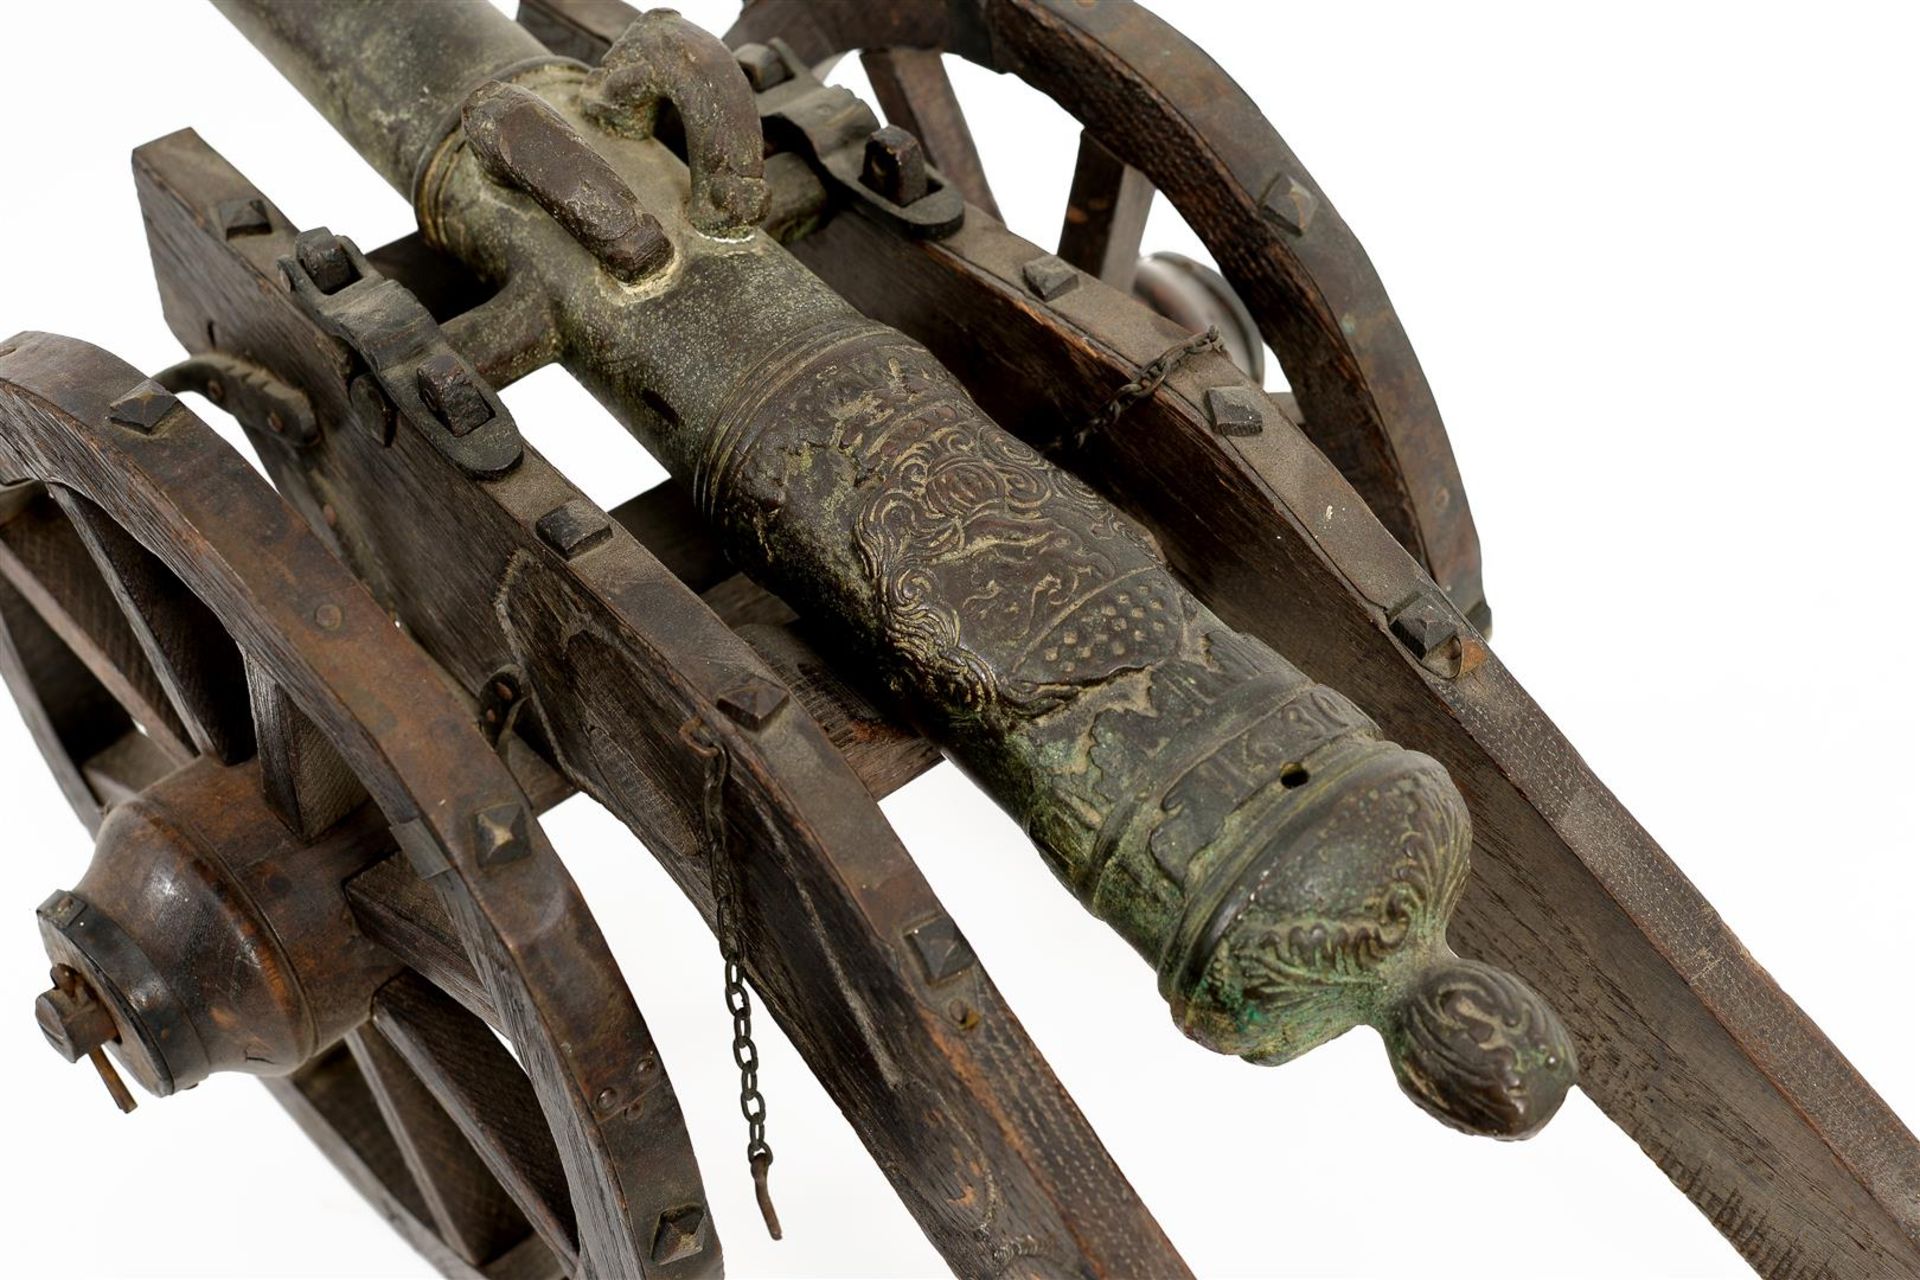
column 204, row 937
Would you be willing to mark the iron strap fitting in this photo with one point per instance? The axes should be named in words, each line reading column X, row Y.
column 419, row 375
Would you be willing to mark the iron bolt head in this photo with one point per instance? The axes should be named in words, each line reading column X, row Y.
column 1290, row 204
column 1236, row 411
column 752, row 702
column 143, row 408
column 1423, row 626
column 895, row 165
column 1049, row 276
column 681, row 1233
column 573, row 527
column 762, row 66
column 449, row 390
column 1433, row 631
column 943, row 950
column 500, row 834
column 325, row 260
column 246, row 217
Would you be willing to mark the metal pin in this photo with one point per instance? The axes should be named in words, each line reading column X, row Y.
column 760, row 1162
column 111, row 1078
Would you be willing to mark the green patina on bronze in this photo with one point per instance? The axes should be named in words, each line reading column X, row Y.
column 1288, row 872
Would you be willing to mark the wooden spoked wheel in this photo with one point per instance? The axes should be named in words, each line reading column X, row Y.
column 1159, row 115
column 249, row 736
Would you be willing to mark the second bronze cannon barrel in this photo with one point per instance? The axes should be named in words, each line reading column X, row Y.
column 1287, row 871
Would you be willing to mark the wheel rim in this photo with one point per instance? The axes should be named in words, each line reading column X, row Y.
column 1159, row 114
column 165, row 614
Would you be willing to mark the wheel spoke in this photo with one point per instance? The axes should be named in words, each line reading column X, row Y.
column 474, row 1216
column 189, row 651
column 334, row 1107
column 306, row 782
column 915, row 93
column 43, row 559
column 457, row 809
column 125, row 767
column 71, row 715
column 331, row 1100
column 1106, row 214
column 398, row 910
column 531, row 1259
column 477, row 1083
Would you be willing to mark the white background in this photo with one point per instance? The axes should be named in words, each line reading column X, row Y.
column 1659, row 265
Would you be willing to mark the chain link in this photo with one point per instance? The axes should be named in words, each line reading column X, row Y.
column 723, row 871
column 1148, row 381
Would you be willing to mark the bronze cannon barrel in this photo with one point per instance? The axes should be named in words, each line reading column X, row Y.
column 1289, row 872
column 388, row 76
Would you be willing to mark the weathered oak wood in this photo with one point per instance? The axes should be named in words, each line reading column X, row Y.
column 306, row 781
column 240, row 551
column 70, row 713
column 618, row 656
column 1107, row 209
column 1685, row 1041
column 916, row 94
column 664, row 521
column 330, row 1101
column 470, row 1212
column 125, row 767
column 185, row 646
column 1160, row 104
column 883, row 752
column 48, row 566
column 400, row 911
column 487, row 1097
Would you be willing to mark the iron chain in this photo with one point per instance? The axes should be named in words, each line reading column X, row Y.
column 723, row 871
column 1148, row 381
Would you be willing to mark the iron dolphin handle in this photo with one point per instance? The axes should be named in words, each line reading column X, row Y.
column 1288, row 871
column 664, row 58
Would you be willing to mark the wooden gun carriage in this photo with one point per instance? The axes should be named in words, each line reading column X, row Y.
column 286, row 786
